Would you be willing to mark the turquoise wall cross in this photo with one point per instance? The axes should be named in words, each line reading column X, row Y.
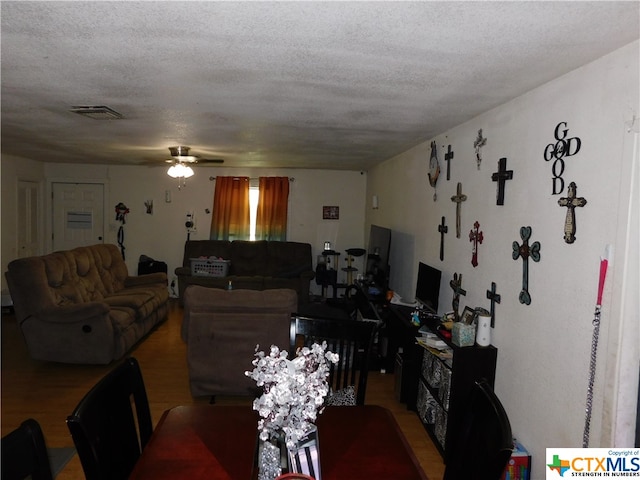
column 525, row 251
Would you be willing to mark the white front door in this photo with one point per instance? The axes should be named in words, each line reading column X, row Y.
column 78, row 215
column 28, row 234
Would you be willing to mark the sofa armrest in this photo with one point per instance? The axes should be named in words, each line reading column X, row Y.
column 146, row 279
column 183, row 271
column 72, row 313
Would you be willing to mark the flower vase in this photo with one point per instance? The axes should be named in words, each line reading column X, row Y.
column 272, row 457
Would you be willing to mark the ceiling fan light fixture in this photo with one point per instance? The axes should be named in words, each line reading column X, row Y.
column 180, row 171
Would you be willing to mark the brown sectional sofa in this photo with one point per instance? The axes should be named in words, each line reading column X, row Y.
column 81, row 306
column 259, row 265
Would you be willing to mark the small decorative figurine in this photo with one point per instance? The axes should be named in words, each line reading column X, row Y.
column 434, row 168
column 501, row 176
column 571, row 202
column 458, row 198
column 525, row 251
column 442, row 228
column 478, row 144
column 475, row 237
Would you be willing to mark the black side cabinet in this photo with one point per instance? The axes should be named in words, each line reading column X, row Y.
column 438, row 386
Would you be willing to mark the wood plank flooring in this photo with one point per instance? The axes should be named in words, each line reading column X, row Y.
column 48, row 392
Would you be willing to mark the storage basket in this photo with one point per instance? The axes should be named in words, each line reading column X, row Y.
column 206, row 267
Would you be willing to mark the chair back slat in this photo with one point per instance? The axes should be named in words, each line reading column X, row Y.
column 112, row 424
column 352, row 340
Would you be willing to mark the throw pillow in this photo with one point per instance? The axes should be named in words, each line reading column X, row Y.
column 344, row 397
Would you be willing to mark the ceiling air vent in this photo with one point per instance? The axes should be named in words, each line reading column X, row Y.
column 99, row 112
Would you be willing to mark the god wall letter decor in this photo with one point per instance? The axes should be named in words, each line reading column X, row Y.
column 563, row 147
column 475, row 237
column 458, row 198
column 571, row 202
column 525, row 251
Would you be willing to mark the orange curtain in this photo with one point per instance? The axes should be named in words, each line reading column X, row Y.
column 271, row 218
column 230, row 219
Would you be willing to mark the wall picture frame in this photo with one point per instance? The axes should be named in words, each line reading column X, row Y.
column 468, row 316
column 330, row 213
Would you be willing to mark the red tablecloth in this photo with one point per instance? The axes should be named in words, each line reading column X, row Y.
column 218, row 443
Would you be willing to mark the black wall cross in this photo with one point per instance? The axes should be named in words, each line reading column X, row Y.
column 571, row 202
column 442, row 228
column 495, row 298
column 458, row 198
column 475, row 237
column 456, row 285
column 501, row 176
column 525, row 251
column 447, row 158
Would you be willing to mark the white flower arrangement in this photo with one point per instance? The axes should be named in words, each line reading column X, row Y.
column 293, row 390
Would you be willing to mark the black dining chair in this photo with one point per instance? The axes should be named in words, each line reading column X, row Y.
column 485, row 443
column 24, row 453
column 112, row 424
column 352, row 340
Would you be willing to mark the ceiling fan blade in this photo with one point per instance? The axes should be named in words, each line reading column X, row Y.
column 210, row 160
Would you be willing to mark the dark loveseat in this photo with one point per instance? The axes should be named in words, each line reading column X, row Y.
column 259, row 265
column 81, row 305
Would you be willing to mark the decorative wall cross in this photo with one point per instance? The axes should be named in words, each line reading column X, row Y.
column 525, row 251
column 501, row 176
column 478, row 144
column 475, row 237
column 456, row 285
column 442, row 228
column 447, row 158
column 458, row 198
column 434, row 168
column 495, row 298
column 571, row 202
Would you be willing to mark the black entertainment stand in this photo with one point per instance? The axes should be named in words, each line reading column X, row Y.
column 436, row 388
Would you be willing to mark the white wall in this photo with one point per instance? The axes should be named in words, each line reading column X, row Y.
column 543, row 348
column 162, row 234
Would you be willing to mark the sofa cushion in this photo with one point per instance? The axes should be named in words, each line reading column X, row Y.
column 248, row 258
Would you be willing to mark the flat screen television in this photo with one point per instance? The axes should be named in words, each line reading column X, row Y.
column 428, row 287
column 378, row 256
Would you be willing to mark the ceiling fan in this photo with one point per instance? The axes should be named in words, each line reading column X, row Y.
column 181, row 154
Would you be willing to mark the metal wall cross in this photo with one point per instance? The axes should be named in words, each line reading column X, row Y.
column 442, row 228
column 571, row 202
column 525, row 251
column 476, row 237
column 479, row 143
column 458, row 198
column 495, row 298
column 501, row 176
column 447, row 158
column 456, row 285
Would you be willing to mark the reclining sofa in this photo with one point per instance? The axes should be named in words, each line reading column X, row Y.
column 259, row 265
column 81, row 306
column 222, row 328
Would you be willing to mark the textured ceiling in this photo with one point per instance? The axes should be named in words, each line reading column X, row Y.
column 339, row 85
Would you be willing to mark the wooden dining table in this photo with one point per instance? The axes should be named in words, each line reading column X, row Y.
column 218, row 443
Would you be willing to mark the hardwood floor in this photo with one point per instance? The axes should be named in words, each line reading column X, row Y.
column 48, row 392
